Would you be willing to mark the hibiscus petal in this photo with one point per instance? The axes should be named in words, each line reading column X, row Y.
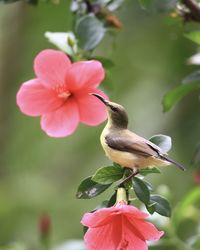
column 34, row 99
column 98, row 218
column 84, row 74
column 131, row 211
column 147, row 229
column 131, row 240
column 51, row 66
column 100, row 238
column 63, row 121
column 92, row 110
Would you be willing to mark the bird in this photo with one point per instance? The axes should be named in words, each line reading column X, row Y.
column 126, row 148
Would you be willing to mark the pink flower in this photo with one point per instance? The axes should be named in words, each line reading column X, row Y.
column 60, row 93
column 121, row 227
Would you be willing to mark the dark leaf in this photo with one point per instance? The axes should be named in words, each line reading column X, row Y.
column 172, row 97
column 108, row 175
column 141, row 190
column 149, row 185
column 90, row 31
column 89, row 189
column 112, row 200
column 146, row 171
column 151, row 207
column 193, row 77
column 162, row 206
column 162, row 141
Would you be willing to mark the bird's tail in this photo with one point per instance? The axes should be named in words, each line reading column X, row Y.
column 166, row 158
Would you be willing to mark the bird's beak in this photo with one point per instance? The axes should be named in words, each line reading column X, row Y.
column 106, row 102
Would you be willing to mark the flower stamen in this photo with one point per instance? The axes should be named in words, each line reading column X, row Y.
column 65, row 95
column 62, row 92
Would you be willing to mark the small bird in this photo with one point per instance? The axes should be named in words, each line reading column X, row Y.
column 125, row 147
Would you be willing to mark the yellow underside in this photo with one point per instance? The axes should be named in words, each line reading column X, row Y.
column 130, row 160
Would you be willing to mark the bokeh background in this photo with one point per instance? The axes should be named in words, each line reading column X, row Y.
column 39, row 174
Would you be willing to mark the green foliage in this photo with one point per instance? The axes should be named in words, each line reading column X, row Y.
column 112, row 200
column 141, row 190
column 146, row 171
column 108, row 175
column 90, row 31
column 162, row 141
column 89, row 189
column 172, row 97
column 194, row 36
column 160, row 205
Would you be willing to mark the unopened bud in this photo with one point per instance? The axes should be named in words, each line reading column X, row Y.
column 44, row 225
column 197, row 178
column 113, row 21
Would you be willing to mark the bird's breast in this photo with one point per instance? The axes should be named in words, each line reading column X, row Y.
column 125, row 159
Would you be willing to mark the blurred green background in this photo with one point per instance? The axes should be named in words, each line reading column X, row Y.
column 39, row 174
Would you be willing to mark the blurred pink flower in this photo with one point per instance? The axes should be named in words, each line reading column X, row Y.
column 121, row 227
column 60, row 93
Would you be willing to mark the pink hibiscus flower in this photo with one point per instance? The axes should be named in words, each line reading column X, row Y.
column 60, row 93
column 121, row 227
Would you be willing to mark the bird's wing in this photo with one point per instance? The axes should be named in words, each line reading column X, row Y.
column 130, row 144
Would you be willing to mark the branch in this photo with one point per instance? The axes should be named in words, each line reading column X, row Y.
column 194, row 8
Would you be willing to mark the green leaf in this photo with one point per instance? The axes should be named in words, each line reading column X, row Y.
column 162, row 141
column 90, row 31
column 112, row 200
column 149, row 185
column 162, row 206
column 149, row 170
column 108, row 175
column 151, row 207
column 141, row 190
column 89, row 189
column 172, row 97
column 194, row 36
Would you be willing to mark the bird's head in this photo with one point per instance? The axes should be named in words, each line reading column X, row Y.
column 117, row 115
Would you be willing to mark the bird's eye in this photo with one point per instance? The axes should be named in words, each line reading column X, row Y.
column 113, row 108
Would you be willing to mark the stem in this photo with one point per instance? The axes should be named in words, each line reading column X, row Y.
column 194, row 8
column 128, row 178
column 122, row 195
